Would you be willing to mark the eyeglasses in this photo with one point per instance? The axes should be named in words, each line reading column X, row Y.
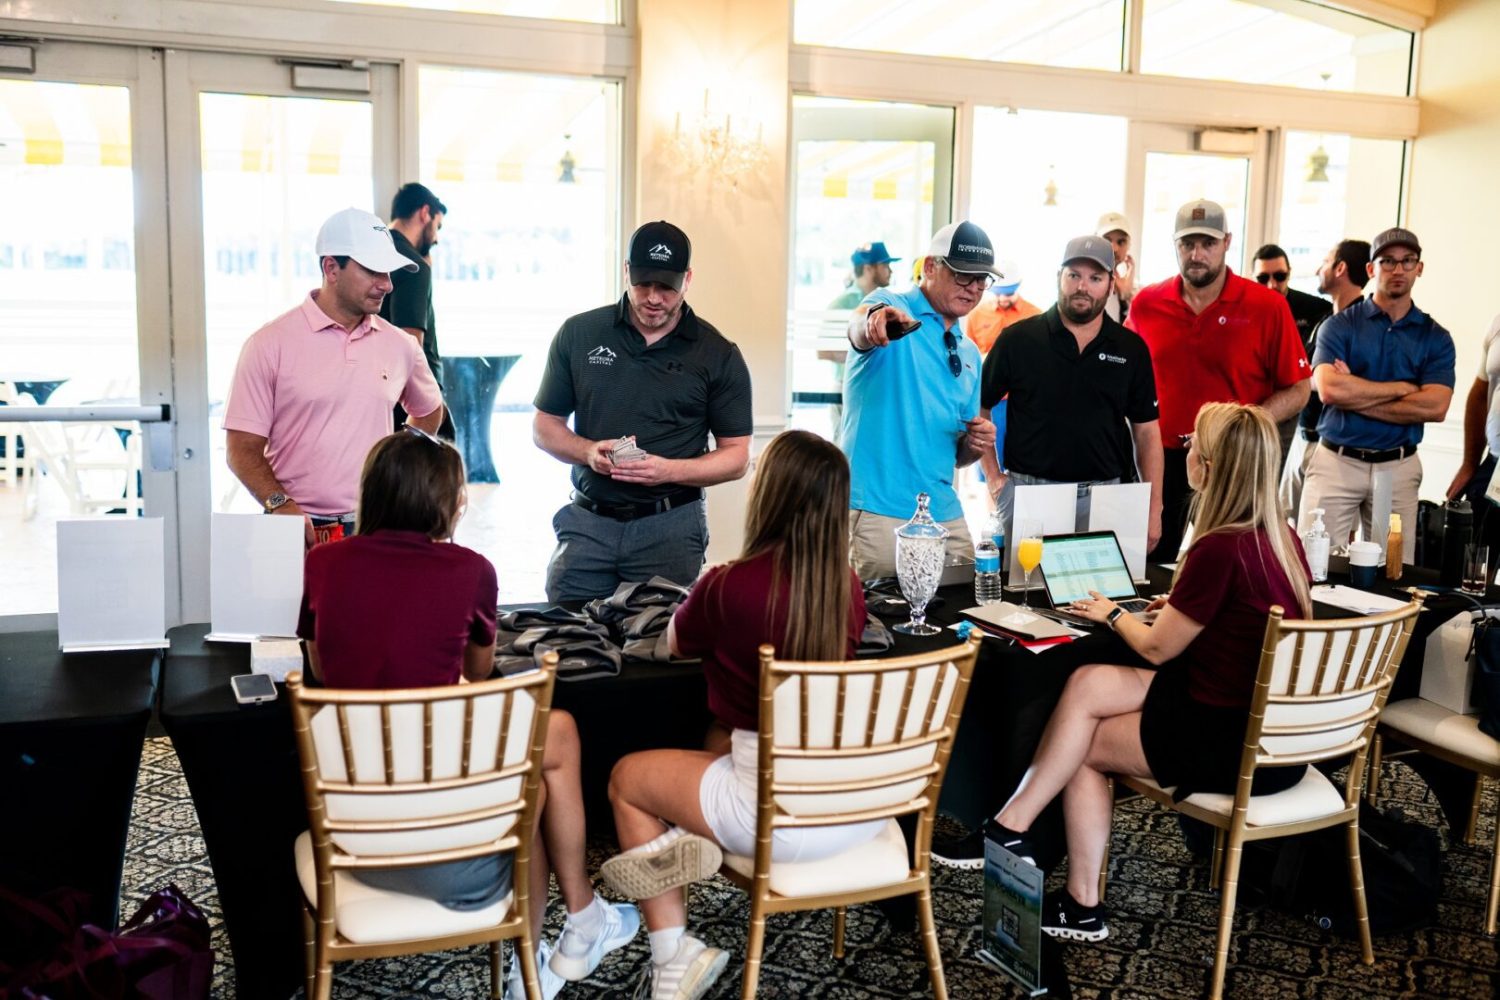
column 1276, row 276
column 955, row 363
column 965, row 280
column 1403, row 263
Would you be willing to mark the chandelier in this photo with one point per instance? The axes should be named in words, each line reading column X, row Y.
column 715, row 144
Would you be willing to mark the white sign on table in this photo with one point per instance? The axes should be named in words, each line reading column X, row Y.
column 255, row 576
column 1055, row 505
column 1125, row 509
column 111, row 584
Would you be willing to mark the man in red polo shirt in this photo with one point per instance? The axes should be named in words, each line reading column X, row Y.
column 1214, row 337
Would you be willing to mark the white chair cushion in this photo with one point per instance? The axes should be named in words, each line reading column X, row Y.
column 1437, row 725
column 367, row 915
column 1310, row 798
column 880, row 861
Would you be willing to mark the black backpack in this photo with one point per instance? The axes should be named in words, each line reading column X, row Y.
column 1308, row 875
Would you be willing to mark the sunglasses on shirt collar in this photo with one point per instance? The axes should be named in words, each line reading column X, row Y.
column 955, row 363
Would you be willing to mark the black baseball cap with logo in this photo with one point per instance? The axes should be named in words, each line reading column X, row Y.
column 660, row 253
column 966, row 248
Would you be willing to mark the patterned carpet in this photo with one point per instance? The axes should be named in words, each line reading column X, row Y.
column 1162, row 922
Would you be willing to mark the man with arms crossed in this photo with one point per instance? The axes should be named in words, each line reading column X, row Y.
column 911, row 402
column 314, row 389
column 1214, row 337
column 645, row 367
column 1383, row 368
column 1082, row 396
column 1342, row 277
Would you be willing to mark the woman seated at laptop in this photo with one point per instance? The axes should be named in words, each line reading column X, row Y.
column 397, row 605
column 791, row 587
column 1176, row 707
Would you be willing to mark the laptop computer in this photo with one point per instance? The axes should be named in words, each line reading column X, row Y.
column 1074, row 564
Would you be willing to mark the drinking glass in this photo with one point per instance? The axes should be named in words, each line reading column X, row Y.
column 1029, row 555
column 1476, row 578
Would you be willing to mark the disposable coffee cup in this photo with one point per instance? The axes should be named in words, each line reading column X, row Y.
column 1364, row 564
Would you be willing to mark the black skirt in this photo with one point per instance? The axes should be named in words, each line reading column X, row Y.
column 1196, row 747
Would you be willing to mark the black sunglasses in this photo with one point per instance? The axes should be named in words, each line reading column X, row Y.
column 1278, row 275
column 955, row 363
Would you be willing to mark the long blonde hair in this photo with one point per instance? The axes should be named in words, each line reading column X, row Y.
column 799, row 512
column 1240, row 451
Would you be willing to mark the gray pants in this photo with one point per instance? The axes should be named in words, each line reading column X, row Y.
column 1007, row 499
column 595, row 554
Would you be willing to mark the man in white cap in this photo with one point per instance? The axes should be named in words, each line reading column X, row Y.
column 316, row 387
column 1215, row 337
column 911, row 399
column 1115, row 227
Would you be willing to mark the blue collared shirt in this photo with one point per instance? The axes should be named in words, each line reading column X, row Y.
column 904, row 412
column 1416, row 349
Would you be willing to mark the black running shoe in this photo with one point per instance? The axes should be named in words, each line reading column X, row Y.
column 965, row 852
column 1019, row 844
column 1065, row 917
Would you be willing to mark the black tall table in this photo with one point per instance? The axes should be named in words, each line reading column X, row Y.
column 240, row 762
column 469, row 388
column 71, row 731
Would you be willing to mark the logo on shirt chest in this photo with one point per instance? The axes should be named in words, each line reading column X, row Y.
column 602, row 355
column 1113, row 359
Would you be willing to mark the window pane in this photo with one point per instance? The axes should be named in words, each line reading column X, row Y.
column 1082, row 34
column 1173, row 180
column 1041, row 178
column 1290, row 44
column 1335, row 187
column 273, row 169
column 529, row 168
column 596, row 11
column 67, row 321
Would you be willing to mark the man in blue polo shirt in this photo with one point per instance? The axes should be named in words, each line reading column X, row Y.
column 1383, row 368
column 911, row 401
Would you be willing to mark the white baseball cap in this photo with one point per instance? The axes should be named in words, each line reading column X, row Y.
column 1110, row 221
column 363, row 236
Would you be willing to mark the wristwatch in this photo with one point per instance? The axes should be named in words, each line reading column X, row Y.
column 1113, row 617
column 276, row 500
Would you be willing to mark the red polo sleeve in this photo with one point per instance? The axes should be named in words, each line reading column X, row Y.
column 1286, row 356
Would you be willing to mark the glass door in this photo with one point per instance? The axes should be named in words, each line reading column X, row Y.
column 864, row 172
column 1171, row 165
column 268, row 149
column 83, row 306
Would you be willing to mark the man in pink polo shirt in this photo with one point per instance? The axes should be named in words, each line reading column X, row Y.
column 314, row 388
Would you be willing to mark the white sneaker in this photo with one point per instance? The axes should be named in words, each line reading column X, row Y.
column 576, row 956
column 643, row 874
column 515, row 985
column 688, row 976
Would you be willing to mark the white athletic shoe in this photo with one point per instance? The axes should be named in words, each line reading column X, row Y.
column 576, row 956
column 551, row 982
column 690, row 974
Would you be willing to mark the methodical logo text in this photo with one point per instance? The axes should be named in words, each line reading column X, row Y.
column 1111, row 358
column 601, row 355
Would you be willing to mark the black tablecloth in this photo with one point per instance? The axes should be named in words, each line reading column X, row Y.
column 241, row 766
column 71, row 730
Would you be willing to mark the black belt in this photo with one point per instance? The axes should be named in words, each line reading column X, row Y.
column 1308, row 434
column 633, row 511
column 1366, row 455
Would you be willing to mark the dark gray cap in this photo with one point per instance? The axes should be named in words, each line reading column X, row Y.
column 1395, row 237
column 1091, row 248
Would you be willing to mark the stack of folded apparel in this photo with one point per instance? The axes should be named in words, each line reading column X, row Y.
column 876, row 638
column 633, row 597
column 583, row 647
column 645, row 634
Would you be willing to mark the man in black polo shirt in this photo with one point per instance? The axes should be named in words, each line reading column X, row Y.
column 416, row 217
column 1274, row 270
column 645, row 367
column 1075, row 379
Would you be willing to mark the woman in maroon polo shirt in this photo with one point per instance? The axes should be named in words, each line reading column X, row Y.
column 791, row 587
column 1178, row 715
column 398, row 605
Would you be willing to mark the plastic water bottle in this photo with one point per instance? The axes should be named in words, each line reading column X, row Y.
column 987, row 554
column 1315, row 547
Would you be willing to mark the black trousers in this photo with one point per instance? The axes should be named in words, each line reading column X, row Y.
column 1176, row 496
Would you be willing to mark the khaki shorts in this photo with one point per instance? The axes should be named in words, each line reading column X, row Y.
column 872, row 542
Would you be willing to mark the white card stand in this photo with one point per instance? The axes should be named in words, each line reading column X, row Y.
column 1053, row 504
column 255, row 576
column 1380, row 506
column 111, row 584
column 1125, row 509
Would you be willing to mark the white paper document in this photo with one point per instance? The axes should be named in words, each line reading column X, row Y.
column 111, row 584
column 255, row 576
column 1125, row 509
column 1053, row 504
column 1361, row 602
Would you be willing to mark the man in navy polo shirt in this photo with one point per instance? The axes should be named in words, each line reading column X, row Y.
column 650, row 368
column 1383, row 368
column 911, row 402
column 1082, row 394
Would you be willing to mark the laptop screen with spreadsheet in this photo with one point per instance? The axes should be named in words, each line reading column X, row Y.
column 1073, row 565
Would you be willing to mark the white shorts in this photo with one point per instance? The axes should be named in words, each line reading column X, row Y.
column 729, row 808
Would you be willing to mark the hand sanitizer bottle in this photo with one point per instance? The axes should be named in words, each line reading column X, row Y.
column 1315, row 546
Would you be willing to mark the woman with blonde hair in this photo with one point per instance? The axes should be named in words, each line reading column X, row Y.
column 791, row 587
column 1176, row 710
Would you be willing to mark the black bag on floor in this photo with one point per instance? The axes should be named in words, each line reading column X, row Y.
column 1486, row 691
column 1308, row 875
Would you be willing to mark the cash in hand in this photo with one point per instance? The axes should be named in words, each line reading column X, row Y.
column 625, row 450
